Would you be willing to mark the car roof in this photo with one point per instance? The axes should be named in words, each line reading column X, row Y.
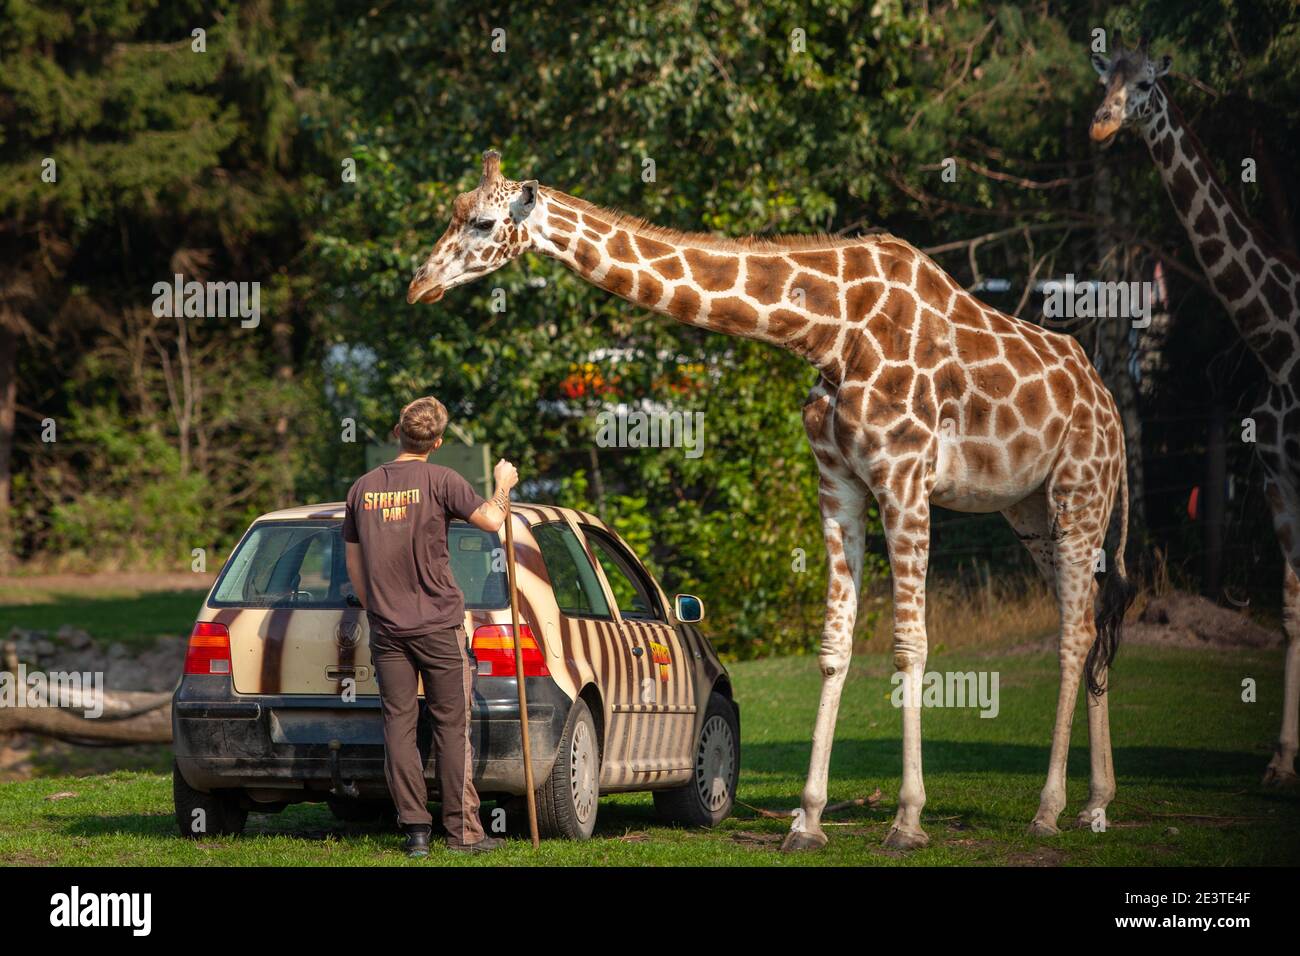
column 532, row 513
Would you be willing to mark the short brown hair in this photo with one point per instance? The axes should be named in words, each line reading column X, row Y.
column 421, row 425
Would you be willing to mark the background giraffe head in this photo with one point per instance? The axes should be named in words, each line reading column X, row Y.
column 1130, row 81
column 488, row 228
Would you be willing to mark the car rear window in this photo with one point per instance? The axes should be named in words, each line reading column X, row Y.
column 302, row 564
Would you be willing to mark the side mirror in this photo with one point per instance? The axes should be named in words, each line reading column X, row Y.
column 689, row 608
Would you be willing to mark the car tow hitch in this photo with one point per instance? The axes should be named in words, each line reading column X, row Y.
column 340, row 788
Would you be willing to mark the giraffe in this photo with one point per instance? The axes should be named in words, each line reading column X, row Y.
column 925, row 397
column 1259, row 285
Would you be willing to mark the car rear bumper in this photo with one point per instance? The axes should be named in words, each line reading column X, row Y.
column 287, row 748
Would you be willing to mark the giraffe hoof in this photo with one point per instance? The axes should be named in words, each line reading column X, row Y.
column 1045, row 828
column 901, row 839
column 1278, row 778
column 1086, row 818
column 797, row 841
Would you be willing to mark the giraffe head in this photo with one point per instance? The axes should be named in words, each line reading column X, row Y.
column 489, row 227
column 1130, row 81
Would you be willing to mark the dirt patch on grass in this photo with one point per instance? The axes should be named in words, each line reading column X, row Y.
column 12, row 586
column 1179, row 619
column 1039, row 856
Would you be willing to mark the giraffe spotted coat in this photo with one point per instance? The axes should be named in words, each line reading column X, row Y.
column 926, row 397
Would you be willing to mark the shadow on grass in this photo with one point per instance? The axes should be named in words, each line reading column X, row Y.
column 314, row 822
column 1194, row 767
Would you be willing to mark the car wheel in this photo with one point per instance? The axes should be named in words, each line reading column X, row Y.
column 201, row 814
column 350, row 810
column 709, row 796
column 568, row 800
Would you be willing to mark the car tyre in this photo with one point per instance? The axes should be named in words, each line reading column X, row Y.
column 222, row 814
column 567, row 802
column 708, row 798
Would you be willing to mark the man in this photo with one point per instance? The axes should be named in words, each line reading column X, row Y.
column 396, row 533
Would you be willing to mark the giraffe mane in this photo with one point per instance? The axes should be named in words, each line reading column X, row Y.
column 707, row 240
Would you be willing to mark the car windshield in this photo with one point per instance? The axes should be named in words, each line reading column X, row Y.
column 302, row 564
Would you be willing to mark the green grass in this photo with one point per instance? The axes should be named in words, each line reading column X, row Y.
column 1188, row 754
column 136, row 618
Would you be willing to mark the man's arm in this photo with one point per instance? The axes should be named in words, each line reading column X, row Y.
column 491, row 514
column 356, row 571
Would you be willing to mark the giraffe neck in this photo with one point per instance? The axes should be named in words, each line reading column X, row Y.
column 785, row 295
column 1256, row 285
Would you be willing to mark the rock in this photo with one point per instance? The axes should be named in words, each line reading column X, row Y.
column 1171, row 831
column 117, row 651
column 74, row 637
column 44, row 648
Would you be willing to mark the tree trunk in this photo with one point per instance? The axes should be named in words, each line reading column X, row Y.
column 1114, row 349
column 1213, row 503
column 282, row 337
column 8, row 407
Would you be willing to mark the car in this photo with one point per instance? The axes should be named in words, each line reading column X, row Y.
column 278, row 702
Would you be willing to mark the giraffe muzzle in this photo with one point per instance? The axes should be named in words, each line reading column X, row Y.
column 426, row 292
column 1103, row 128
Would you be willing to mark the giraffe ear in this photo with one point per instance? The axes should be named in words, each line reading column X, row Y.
column 1100, row 64
column 525, row 201
column 1163, row 65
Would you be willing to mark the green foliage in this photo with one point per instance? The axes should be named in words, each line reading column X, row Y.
column 772, row 117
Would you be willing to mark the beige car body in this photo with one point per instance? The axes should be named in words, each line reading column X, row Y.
column 648, row 681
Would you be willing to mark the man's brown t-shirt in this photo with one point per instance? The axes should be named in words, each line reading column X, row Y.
column 399, row 514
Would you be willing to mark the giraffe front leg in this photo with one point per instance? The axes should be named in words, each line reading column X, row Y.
column 843, row 504
column 907, row 531
column 1281, row 769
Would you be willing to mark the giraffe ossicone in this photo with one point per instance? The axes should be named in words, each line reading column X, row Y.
column 901, row 350
column 1258, row 284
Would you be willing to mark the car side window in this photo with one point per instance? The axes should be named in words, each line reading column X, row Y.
column 632, row 593
column 573, row 579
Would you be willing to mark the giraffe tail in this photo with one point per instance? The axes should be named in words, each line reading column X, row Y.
column 1117, row 594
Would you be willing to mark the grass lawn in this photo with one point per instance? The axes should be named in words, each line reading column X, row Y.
column 1188, row 752
column 110, row 613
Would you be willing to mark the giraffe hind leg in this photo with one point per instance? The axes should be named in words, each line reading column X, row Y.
column 843, row 500
column 1281, row 769
column 1031, row 522
column 1078, row 528
column 907, row 531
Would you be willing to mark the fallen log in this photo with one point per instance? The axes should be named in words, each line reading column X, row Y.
column 129, row 717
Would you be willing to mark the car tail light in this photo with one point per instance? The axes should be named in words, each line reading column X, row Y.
column 494, row 646
column 209, row 651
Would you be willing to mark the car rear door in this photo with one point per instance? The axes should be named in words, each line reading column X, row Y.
column 283, row 596
column 664, row 724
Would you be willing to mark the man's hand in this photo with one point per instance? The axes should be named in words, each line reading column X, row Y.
column 505, row 475
column 492, row 513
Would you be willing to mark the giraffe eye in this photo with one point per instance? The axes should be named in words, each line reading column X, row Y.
column 483, row 225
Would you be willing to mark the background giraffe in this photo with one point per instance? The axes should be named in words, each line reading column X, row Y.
column 926, row 396
column 1259, row 285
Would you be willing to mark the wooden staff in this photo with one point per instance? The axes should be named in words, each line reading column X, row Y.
column 519, row 678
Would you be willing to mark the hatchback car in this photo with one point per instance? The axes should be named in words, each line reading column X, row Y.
column 278, row 702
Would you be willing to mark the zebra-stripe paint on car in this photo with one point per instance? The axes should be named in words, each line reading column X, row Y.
column 651, row 679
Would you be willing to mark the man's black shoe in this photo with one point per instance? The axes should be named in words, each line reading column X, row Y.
column 417, row 840
column 485, row 845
